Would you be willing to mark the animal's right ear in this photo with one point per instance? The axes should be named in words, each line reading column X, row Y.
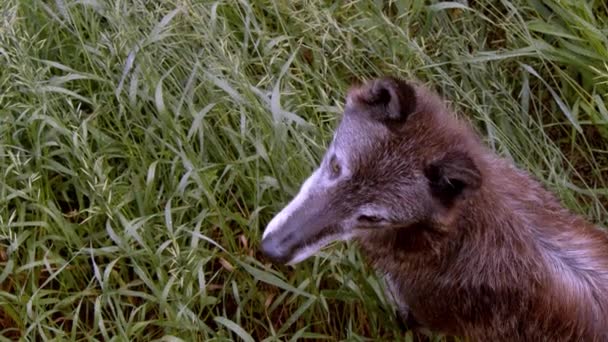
column 452, row 176
column 389, row 99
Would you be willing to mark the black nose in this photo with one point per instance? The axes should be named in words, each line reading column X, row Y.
column 274, row 250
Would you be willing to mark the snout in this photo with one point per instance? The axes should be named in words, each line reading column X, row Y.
column 299, row 230
column 285, row 243
column 274, row 250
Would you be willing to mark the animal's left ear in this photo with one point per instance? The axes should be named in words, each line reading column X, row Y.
column 452, row 176
column 389, row 98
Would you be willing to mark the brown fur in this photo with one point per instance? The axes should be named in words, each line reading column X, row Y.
column 501, row 261
column 469, row 244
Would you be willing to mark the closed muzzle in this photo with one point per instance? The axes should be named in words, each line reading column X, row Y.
column 296, row 229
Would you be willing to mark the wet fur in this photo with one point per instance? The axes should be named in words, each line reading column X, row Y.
column 501, row 258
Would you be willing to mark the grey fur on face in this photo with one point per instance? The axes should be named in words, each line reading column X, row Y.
column 356, row 185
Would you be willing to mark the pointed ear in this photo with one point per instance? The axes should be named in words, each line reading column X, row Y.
column 452, row 176
column 390, row 98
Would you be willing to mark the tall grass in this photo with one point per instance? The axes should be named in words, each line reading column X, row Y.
column 145, row 145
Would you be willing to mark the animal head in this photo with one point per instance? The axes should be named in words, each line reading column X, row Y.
column 397, row 159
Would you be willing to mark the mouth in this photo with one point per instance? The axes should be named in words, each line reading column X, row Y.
column 296, row 246
column 277, row 249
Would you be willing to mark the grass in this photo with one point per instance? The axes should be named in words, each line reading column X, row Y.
column 145, row 145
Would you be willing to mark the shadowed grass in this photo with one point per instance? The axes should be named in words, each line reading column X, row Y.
column 145, row 145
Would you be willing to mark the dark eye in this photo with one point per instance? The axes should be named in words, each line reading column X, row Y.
column 335, row 166
column 369, row 219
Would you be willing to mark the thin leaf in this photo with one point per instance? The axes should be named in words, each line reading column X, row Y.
column 234, row 328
